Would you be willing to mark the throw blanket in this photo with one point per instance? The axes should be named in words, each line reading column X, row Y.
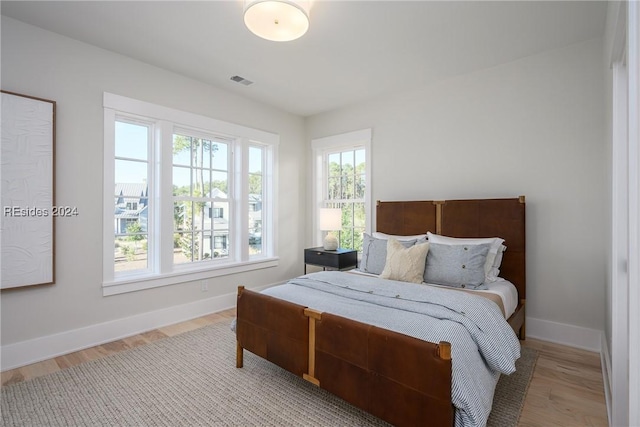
column 483, row 345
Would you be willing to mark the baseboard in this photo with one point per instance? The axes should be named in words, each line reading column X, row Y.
column 561, row 333
column 38, row 349
column 605, row 361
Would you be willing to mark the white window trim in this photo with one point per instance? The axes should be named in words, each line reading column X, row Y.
column 164, row 116
column 624, row 376
column 320, row 146
column 633, row 29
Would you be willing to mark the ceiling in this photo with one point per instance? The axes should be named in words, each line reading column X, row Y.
column 354, row 50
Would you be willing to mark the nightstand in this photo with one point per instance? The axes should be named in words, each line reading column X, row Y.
column 340, row 259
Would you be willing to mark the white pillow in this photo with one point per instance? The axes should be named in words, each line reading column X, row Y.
column 405, row 264
column 384, row 236
column 491, row 270
column 495, row 270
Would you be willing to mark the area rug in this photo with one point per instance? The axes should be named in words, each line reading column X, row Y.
column 191, row 380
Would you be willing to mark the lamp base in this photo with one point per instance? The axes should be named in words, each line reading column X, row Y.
column 330, row 242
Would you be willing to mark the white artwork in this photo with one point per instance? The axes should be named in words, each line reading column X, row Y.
column 27, row 161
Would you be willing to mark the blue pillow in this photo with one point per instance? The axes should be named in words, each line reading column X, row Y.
column 459, row 266
column 374, row 253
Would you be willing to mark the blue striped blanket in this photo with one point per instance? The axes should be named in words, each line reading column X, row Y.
column 483, row 345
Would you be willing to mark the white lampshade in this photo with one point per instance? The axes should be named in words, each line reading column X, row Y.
column 330, row 219
column 277, row 20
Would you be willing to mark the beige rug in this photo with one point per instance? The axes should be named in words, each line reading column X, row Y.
column 191, row 380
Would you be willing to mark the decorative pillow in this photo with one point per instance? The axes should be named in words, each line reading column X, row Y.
column 374, row 253
column 385, row 236
column 460, row 266
column 405, row 264
column 490, row 263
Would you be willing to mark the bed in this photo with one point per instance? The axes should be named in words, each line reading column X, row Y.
column 368, row 341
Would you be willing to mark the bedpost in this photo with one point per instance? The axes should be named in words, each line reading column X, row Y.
column 239, row 349
column 239, row 355
column 444, row 350
column 313, row 315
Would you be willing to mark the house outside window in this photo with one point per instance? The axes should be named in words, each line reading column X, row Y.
column 181, row 192
column 342, row 180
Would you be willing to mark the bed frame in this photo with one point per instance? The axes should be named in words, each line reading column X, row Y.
column 400, row 379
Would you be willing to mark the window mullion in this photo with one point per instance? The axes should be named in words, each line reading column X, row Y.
column 240, row 229
column 109, row 179
column 164, row 194
column 268, row 234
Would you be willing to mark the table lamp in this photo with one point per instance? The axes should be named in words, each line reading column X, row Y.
column 330, row 220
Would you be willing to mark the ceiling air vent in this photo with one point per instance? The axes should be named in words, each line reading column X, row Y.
column 241, row 80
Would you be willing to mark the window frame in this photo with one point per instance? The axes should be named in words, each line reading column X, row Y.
column 321, row 148
column 164, row 122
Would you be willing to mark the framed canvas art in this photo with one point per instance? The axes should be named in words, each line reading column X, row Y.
column 27, row 188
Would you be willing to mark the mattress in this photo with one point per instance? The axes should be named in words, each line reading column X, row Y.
column 501, row 288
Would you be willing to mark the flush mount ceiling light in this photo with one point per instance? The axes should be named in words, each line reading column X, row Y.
column 277, row 20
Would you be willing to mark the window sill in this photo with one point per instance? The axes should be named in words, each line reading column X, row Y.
column 156, row 280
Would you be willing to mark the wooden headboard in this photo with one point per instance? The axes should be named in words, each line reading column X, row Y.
column 503, row 218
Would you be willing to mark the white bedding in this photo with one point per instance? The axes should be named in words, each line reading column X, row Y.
column 501, row 287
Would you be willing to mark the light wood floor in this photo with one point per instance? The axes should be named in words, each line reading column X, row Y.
column 566, row 389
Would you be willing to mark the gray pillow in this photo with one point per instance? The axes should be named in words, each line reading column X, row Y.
column 374, row 253
column 459, row 266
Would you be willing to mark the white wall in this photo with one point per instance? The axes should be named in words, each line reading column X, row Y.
column 533, row 127
column 75, row 75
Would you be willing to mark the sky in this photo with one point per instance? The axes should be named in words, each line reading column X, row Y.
column 131, row 143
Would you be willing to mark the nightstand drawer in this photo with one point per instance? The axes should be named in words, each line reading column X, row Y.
column 324, row 259
column 339, row 259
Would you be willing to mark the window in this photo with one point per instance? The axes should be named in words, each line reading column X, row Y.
column 131, row 167
column 342, row 164
column 216, row 212
column 255, row 199
column 190, row 198
column 200, row 184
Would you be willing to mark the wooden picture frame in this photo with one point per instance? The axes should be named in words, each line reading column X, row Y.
column 28, row 196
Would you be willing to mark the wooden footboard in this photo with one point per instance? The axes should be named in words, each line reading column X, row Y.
column 400, row 379
column 273, row 329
